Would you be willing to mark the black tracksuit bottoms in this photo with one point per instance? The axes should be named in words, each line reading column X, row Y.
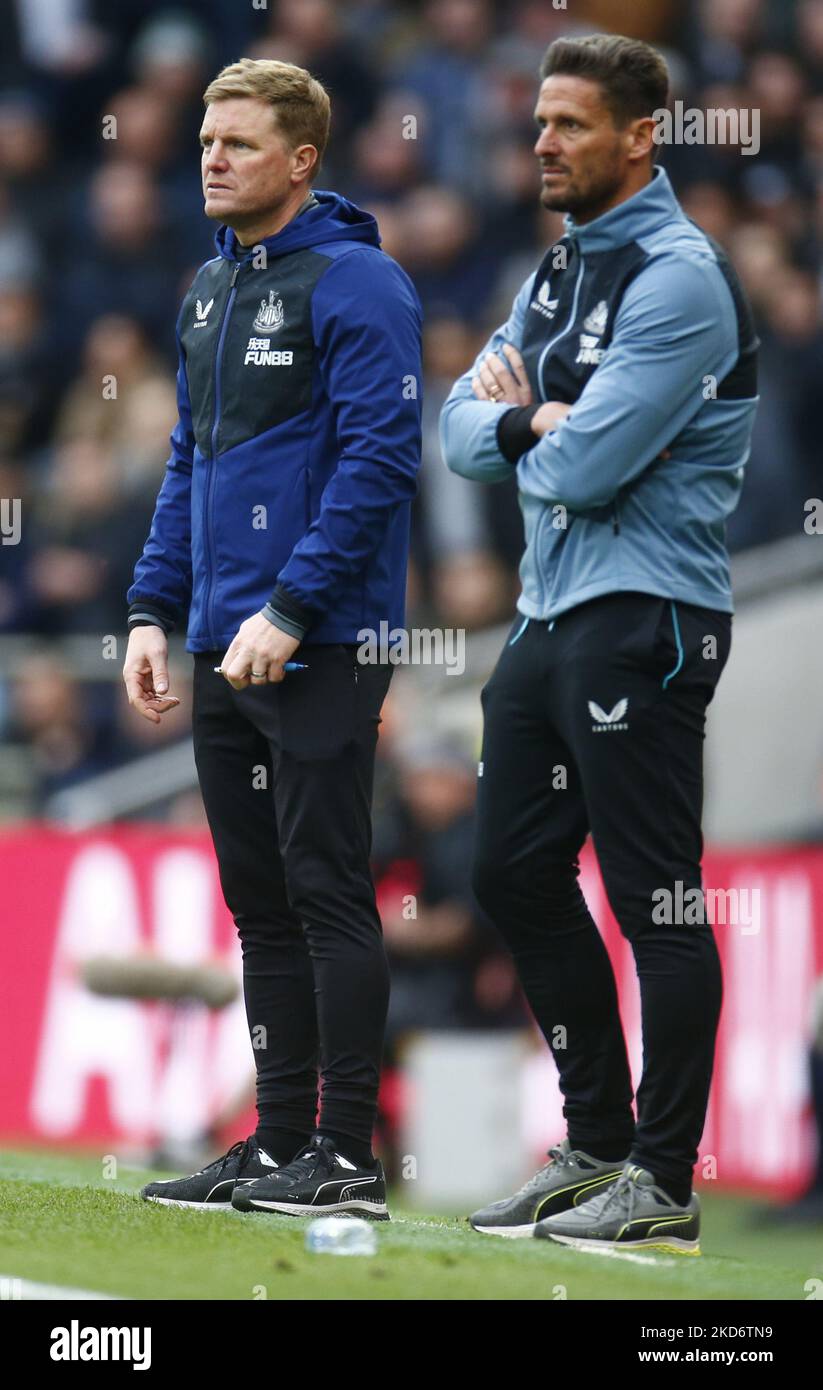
column 594, row 722
column 286, row 774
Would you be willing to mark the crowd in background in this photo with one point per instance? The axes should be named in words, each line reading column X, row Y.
column 99, row 239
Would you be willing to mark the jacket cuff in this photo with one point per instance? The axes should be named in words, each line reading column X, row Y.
column 146, row 613
column 515, row 435
column 283, row 610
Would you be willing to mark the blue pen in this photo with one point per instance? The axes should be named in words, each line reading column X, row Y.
column 289, row 666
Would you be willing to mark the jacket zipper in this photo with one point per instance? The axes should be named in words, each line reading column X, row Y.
column 567, row 329
column 556, row 339
column 209, row 508
column 615, row 518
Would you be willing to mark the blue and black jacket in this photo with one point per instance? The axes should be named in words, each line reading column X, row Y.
column 295, row 454
column 639, row 322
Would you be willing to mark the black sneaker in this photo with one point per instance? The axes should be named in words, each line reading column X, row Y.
column 213, row 1185
column 318, row 1182
column 569, row 1178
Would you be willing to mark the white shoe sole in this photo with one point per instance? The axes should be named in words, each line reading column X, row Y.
column 508, row 1232
column 195, row 1206
column 377, row 1210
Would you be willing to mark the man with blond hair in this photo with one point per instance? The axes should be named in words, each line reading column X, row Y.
column 282, row 527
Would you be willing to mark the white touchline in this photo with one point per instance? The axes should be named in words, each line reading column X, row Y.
column 629, row 1255
column 13, row 1288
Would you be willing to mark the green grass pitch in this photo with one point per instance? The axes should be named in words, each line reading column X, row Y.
column 62, row 1223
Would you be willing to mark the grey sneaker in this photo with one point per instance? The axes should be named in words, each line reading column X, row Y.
column 570, row 1177
column 633, row 1214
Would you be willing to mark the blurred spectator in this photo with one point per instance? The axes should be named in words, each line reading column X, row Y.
column 126, row 260
column 16, row 610
column 471, row 590
column 171, row 58
column 385, row 161
column 449, row 968
column 137, row 420
column 445, row 75
column 310, row 33
column 49, row 716
column 451, row 517
column 453, row 267
column 70, row 731
column 712, row 208
column 810, row 40
column 84, row 534
column 27, row 164
column 30, row 371
column 725, row 35
column 432, row 131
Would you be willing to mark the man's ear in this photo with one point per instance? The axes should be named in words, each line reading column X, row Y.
column 305, row 159
column 642, row 141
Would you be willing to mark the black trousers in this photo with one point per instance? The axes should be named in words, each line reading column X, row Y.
column 286, row 775
column 595, row 723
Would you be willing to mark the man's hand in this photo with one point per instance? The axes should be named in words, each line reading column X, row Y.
column 258, row 653
column 146, row 673
column 501, row 381
column 548, row 417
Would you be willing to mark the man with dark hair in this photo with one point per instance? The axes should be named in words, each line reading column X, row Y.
column 622, row 392
column 632, row 76
column 282, row 530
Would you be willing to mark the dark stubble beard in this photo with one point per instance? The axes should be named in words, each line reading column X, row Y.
column 584, row 203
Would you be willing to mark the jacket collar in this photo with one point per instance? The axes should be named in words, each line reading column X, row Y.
column 323, row 217
column 639, row 215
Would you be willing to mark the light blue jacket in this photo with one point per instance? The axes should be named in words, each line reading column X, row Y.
column 642, row 325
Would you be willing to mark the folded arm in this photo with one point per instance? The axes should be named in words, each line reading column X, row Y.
column 468, row 426
column 676, row 326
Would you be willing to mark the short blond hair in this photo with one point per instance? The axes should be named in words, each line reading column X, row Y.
column 300, row 103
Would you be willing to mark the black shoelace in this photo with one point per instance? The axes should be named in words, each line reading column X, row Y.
column 306, row 1164
column 241, row 1151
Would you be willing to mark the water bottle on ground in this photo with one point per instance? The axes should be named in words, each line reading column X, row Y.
column 341, row 1235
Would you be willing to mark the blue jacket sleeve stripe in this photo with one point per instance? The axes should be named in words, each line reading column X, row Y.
column 367, row 329
column 163, row 573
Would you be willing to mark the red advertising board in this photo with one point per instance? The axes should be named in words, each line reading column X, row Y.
column 75, row 1067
